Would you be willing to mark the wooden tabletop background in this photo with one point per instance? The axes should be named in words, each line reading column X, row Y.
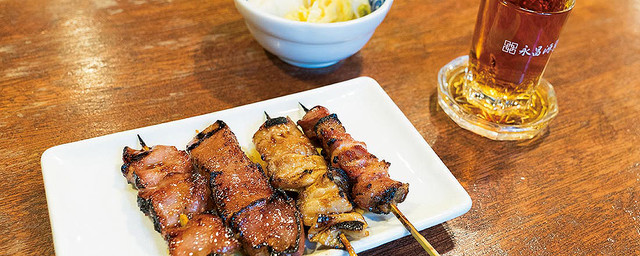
column 72, row 70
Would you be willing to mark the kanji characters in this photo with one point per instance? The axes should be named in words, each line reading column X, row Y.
column 512, row 48
column 536, row 51
column 525, row 51
column 548, row 49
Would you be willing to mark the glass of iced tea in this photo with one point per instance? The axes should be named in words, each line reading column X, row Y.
column 498, row 90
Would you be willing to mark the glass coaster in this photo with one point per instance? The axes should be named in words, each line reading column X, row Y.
column 523, row 124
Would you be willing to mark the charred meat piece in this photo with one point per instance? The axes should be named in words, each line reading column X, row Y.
column 268, row 223
column 239, row 187
column 309, row 121
column 294, row 164
column 144, row 168
column 372, row 187
column 183, row 193
column 267, row 226
column 169, row 190
column 203, row 235
column 235, row 181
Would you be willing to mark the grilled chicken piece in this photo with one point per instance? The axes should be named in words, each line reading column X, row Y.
column 267, row 221
column 145, row 168
column 203, row 235
column 294, row 164
column 323, row 197
column 167, row 189
column 372, row 188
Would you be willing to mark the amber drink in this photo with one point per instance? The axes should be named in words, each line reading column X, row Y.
column 511, row 46
column 498, row 90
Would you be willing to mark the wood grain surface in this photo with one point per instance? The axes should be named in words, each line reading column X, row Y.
column 72, row 70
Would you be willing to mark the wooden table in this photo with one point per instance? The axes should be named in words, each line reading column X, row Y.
column 71, row 70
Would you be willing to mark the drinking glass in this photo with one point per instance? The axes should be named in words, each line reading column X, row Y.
column 498, row 91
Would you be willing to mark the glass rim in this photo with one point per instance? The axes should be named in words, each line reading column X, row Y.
column 507, row 3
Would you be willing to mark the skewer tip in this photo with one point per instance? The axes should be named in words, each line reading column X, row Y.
column 303, row 107
column 144, row 145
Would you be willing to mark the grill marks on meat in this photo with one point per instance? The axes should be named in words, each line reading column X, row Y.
column 239, row 187
column 183, row 193
column 151, row 166
column 266, row 215
column 294, row 164
column 166, row 183
column 167, row 188
column 203, row 235
column 372, row 187
column 266, row 220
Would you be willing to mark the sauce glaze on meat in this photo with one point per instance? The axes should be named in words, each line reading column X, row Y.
column 294, row 164
column 178, row 200
column 267, row 221
column 372, row 187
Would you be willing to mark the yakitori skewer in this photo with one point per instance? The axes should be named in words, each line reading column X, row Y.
column 265, row 219
column 372, row 187
column 177, row 200
column 293, row 164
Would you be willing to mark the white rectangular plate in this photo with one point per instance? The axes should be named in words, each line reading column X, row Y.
column 93, row 210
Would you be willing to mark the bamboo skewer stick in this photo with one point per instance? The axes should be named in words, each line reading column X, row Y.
column 347, row 245
column 407, row 224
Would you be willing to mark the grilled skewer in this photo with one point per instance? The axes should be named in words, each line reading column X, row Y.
column 294, row 164
column 178, row 200
column 372, row 187
column 266, row 219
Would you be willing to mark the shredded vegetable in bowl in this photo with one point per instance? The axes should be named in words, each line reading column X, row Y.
column 317, row 11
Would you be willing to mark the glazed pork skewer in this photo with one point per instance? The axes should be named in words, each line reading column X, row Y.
column 178, row 201
column 372, row 187
column 294, row 164
column 266, row 220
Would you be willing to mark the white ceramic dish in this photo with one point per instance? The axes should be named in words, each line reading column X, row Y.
column 310, row 45
column 94, row 212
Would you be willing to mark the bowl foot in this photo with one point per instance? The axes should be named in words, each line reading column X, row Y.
column 309, row 64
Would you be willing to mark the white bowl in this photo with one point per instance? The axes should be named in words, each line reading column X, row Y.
column 310, row 45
